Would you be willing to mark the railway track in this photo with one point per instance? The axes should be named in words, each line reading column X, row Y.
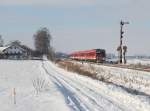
column 133, row 67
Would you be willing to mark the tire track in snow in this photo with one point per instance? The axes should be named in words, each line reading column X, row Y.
column 99, row 102
column 82, row 95
column 71, row 98
column 91, row 99
column 93, row 92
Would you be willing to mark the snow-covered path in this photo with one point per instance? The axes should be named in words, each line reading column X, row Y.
column 62, row 90
column 78, row 94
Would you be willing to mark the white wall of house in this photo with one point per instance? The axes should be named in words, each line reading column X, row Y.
column 14, row 50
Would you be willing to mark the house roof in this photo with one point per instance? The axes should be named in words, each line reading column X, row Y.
column 3, row 48
column 22, row 47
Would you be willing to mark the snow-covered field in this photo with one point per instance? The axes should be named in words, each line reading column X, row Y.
column 128, row 78
column 134, row 61
column 139, row 61
column 42, row 86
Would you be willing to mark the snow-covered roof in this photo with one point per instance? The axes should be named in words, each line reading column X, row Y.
column 3, row 48
column 19, row 47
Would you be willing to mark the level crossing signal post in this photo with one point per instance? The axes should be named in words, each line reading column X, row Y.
column 122, row 23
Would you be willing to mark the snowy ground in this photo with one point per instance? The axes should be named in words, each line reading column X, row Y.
column 139, row 61
column 134, row 61
column 42, row 86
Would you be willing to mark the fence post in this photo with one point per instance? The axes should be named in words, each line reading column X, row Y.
column 14, row 95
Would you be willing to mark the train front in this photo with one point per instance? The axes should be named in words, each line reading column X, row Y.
column 100, row 55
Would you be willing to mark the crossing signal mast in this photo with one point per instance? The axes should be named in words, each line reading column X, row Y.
column 122, row 23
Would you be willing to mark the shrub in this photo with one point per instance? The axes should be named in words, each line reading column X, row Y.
column 39, row 84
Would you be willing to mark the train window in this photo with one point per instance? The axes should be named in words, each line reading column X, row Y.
column 82, row 54
column 92, row 54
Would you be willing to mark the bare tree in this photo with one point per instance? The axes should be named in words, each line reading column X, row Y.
column 15, row 42
column 42, row 40
column 118, row 49
column 1, row 41
column 51, row 54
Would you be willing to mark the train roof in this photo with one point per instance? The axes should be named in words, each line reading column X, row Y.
column 88, row 51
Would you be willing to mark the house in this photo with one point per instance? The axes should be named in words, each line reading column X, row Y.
column 15, row 51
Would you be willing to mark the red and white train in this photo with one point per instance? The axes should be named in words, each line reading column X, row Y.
column 95, row 55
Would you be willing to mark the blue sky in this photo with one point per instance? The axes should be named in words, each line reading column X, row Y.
column 78, row 24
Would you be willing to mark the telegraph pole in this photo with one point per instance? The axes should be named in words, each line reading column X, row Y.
column 121, row 38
